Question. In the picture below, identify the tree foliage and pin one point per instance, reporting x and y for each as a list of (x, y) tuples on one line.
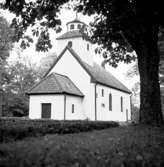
[(6, 34), (45, 64), (22, 75), (38, 14), (131, 24), (14, 105), (133, 71)]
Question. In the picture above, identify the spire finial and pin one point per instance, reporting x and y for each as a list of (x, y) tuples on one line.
[(76, 15)]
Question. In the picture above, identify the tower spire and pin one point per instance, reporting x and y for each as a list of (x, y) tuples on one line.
[(76, 16)]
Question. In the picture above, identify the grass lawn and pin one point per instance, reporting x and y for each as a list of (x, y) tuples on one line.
[(131, 146)]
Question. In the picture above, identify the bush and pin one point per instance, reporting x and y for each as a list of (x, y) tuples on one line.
[(14, 105), (12, 129)]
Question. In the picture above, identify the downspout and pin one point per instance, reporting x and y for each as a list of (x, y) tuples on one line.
[(64, 107), (95, 102)]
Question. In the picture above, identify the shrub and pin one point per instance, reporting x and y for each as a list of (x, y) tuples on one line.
[(12, 129)]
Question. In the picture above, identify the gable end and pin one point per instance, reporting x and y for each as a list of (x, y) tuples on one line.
[(75, 56)]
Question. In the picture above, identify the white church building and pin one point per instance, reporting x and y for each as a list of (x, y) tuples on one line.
[(76, 88)]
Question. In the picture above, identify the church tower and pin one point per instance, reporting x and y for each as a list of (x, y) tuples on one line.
[(77, 40)]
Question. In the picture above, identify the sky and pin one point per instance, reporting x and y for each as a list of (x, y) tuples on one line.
[(66, 16)]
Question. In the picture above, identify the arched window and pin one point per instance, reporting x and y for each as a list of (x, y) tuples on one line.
[(73, 108), (72, 26), (79, 26), (121, 104), (88, 46), (110, 102), (102, 92), (70, 44)]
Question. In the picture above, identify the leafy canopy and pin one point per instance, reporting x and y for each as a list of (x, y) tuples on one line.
[(43, 14), (6, 35), (125, 22), (128, 23)]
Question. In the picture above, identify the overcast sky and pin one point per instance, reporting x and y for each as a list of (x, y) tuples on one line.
[(66, 16)]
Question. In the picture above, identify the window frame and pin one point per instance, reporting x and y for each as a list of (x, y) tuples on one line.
[(72, 27), (70, 44), (73, 108), (102, 92), (110, 102), (79, 26), (121, 104)]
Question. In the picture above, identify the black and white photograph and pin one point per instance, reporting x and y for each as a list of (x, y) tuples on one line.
[(81, 83)]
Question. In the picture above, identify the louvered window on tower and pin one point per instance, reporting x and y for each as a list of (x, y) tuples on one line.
[(72, 26), (79, 26), (70, 44)]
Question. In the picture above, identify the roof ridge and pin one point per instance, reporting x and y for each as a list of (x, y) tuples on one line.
[(92, 72), (62, 89), (44, 78), (71, 34), (75, 20), (55, 61), (60, 74), (80, 60), (75, 85), (58, 83), (110, 75)]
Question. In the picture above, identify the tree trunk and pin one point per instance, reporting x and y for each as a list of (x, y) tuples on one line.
[(148, 64)]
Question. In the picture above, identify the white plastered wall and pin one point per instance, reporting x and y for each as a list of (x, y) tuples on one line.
[(78, 113), (69, 66), (57, 106), (103, 112), (80, 46)]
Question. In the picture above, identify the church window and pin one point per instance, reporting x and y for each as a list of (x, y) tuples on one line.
[(79, 26), (121, 104), (87, 46), (102, 92), (70, 44), (73, 108), (72, 26), (110, 102)]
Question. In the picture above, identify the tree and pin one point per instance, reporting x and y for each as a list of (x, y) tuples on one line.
[(6, 34), (39, 15), (23, 75), (131, 24), (45, 64), (14, 105), (133, 71)]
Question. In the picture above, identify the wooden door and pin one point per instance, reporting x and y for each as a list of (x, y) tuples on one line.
[(46, 110)]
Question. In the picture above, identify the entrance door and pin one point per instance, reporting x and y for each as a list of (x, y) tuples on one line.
[(46, 110)]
